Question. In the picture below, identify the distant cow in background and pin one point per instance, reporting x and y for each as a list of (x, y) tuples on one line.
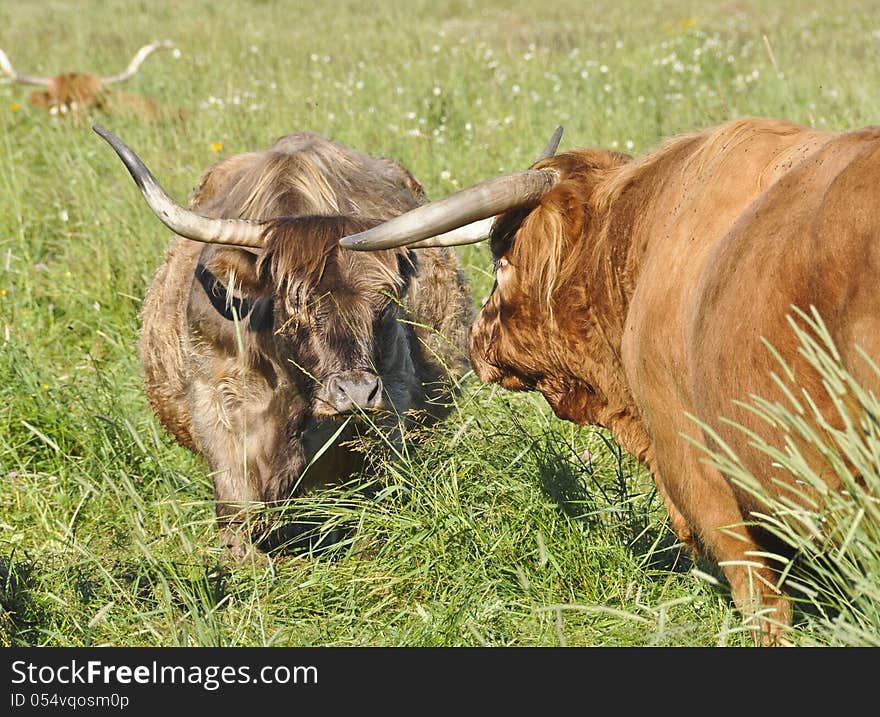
[(78, 91), (637, 294), (261, 336)]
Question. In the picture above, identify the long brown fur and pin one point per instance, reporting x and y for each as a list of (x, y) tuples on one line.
[(639, 293), (253, 400)]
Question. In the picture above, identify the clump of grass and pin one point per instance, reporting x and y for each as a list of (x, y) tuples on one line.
[(831, 538)]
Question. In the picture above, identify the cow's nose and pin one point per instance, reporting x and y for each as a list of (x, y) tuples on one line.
[(352, 390)]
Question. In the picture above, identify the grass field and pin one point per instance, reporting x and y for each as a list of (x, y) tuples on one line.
[(509, 527)]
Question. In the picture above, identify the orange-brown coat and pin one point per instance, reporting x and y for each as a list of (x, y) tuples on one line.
[(638, 294)]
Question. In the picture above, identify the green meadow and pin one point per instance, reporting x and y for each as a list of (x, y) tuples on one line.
[(507, 526)]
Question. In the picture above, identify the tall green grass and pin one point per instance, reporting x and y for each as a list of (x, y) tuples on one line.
[(507, 526), (831, 561)]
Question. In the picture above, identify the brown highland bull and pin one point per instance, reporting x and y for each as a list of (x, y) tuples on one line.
[(74, 91), (261, 335), (637, 294)]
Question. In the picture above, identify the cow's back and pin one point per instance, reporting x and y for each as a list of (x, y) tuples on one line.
[(811, 240), (706, 184), (705, 190)]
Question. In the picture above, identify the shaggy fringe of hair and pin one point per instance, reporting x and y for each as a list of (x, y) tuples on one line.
[(300, 247), (261, 185), (562, 218)]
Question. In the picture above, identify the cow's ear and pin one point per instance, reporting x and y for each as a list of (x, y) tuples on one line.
[(564, 210), (215, 182), (553, 234), (236, 268), (406, 177)]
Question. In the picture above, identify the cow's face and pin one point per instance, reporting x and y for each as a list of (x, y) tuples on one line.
[(526, 335), (329, 315), (337, 331), (68, 93), (509, 339), (324, 316)]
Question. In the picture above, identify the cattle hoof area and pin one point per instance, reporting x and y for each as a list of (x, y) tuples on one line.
[(304, 538)]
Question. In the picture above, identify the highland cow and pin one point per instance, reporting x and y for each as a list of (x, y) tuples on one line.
[(73, 91), (262, 336), (641, 294)]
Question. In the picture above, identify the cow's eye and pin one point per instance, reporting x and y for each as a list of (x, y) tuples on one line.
[(386, 314)]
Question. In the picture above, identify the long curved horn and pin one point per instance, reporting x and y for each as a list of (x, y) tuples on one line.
[(552, 145), (138, 60), (512, 191), (465, 217), (481, 230), (468, 234), (186, 223), (8, 69)]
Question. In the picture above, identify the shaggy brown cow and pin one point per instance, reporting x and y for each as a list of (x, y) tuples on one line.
[(262, 336), (77, 90), (637, 293)]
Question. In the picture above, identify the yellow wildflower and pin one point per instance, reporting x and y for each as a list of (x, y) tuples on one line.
[(216, 147), (15, 107)]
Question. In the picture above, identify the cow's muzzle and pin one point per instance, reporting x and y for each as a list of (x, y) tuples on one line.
[(349, 392)]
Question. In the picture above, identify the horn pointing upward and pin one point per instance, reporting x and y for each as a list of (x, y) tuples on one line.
[(186, 223), (464, 217), (512, 191), (552, 145)]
